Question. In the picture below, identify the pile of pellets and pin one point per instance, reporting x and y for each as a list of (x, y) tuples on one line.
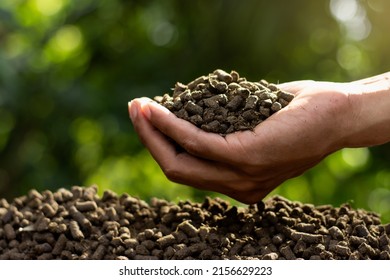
[(224, 102), (78, 224)]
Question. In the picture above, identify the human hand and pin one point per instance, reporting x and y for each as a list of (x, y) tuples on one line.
[(247, 165)]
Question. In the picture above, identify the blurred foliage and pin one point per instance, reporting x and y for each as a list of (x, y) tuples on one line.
[(68, 69)]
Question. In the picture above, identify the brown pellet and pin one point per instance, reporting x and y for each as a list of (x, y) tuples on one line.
[(141, 250), (270, 256), (366, 249), (387, 228), (99, 253), (213, 126), (361, 231), (131, 243), (75, 230), (9, 232), (42, 224), (307, 237), (193, 109), (8, 216), (341, 250), (336, 233), (285, 95), (287, 253), (43, 248), (223, 76), (188, 229), (299, 247), (60, 245), (149, 244), (384, 240), (283, 102), (48, 210), (182, 253), (305, 227), (112, 214), (356, 241), (34, 194), (384, 255), (80, 218), (278, 239), (85, 206), (197, 247)]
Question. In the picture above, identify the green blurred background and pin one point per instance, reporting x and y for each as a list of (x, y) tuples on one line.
[(68, 69)]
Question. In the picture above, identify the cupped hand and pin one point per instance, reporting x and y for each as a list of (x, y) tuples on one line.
[(247, 165)]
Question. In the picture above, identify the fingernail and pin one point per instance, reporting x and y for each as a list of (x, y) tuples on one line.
[(133, 110), (146, 110), (160, 107)]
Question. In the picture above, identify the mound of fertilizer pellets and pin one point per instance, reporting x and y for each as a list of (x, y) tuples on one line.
[(78, 224), (224, 102)]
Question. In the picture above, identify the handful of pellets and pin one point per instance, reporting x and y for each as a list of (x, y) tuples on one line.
[(224, 102)]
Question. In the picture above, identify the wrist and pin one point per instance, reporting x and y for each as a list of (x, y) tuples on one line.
[(369, 101)]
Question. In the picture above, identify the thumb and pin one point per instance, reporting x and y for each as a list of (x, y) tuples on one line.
[(295, 86)]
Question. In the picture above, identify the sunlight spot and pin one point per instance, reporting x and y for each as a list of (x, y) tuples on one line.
[(344, 10), (349, 57), (68, 38), (163, 33), (357, 157), (49, 7)]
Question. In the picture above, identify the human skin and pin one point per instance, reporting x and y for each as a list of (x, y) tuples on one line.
[(322, 118)]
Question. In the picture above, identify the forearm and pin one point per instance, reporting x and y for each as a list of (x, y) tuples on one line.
[(370, 123), (385, 77)]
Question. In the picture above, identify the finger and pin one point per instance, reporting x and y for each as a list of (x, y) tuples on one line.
[(295, 86), (182, 167), (194, 140), (146, 131)]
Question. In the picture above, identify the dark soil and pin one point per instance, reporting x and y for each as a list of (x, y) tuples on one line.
[(77, 224), (224, 102)]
